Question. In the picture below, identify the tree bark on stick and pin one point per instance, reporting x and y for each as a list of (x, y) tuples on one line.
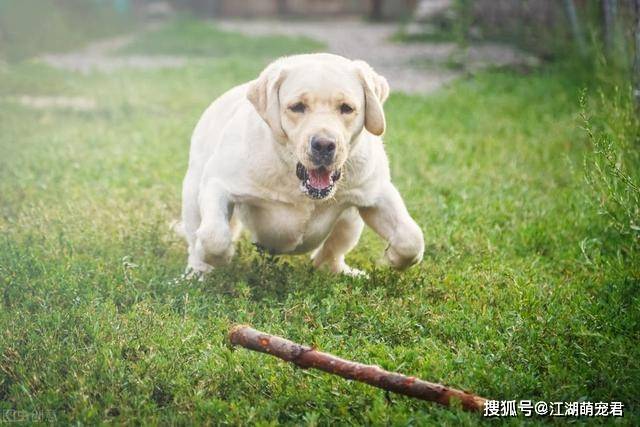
[(307, 357)]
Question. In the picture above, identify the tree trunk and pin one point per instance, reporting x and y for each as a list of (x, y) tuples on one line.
[(375, 13), (283, 8), (578, 36), (636, 62), (307, 357), (609, 12), (205, 8)]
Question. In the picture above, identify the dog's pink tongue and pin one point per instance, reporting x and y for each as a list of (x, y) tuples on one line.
[(320, 178)]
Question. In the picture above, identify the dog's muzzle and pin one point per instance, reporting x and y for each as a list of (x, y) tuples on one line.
[(317, 183), (322, 150)]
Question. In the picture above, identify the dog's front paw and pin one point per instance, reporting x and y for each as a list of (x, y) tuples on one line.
[(354, 272), (196, 270), (403, 257), (213, 246), (339, 267)]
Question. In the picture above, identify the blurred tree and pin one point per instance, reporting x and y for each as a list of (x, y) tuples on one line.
[(609, 12), (636, 62), (208, 8), (462, 24), (570, 9), (380, 10), (283, 7), (375, 13)]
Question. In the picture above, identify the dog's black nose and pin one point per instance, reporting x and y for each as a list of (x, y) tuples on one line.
[(322, 150)]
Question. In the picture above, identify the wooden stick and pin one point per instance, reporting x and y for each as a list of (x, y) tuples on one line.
[(307, 357)]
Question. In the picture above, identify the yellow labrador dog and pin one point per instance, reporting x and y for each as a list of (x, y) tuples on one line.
[(296, 158)]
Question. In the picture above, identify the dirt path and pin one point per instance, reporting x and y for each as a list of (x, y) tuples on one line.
[(409, 67), (99, 56)]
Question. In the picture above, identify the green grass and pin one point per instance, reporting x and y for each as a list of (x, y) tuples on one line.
[(201, 38), (524, 292), (30, 27)]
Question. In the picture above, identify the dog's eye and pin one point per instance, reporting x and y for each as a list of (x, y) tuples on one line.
[(298, 107), (346, 109)]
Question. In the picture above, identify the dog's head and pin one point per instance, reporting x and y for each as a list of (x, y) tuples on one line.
[(316, 106)]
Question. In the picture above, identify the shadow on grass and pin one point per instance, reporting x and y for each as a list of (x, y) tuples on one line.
[(268, 277)]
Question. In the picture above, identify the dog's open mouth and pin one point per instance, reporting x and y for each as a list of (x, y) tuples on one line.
[(317, 183)]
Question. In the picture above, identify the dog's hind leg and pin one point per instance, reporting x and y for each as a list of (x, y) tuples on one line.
[(343, 237), (235, 226)]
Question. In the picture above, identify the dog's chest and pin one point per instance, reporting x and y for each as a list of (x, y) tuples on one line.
[(283, 228)]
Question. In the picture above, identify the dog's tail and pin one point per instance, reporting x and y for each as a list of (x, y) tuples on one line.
[(177, 227)]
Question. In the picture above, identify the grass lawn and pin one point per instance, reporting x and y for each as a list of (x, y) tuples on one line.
[(524, 292), (30, 27)]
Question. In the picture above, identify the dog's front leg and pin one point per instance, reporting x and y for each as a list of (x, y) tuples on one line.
[(214, 238), (388, 216)]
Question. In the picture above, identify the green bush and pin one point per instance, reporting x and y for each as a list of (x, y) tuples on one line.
[(612, 165)]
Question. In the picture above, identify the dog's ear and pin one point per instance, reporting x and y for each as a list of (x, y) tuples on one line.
[(263, 94), (376, 91)]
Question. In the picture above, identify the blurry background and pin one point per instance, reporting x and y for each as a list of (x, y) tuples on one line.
[(541, 25)]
